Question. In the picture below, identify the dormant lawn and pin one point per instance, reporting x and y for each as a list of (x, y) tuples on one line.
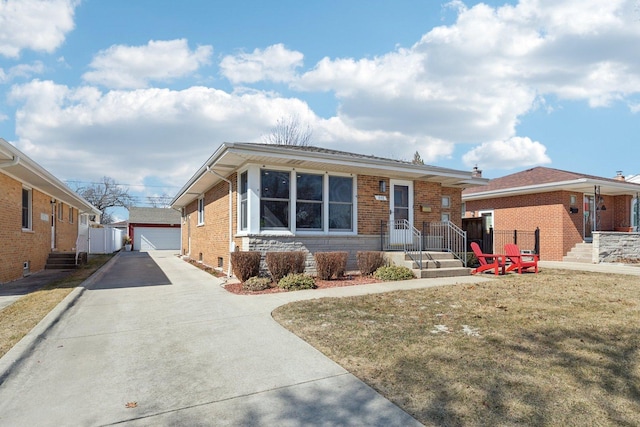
[(558, 348)]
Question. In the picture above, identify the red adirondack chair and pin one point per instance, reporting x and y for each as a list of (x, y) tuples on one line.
[(487, 261), (520, 261)]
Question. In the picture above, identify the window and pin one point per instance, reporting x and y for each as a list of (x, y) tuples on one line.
[(60, 211), (70, 215), (446, 201), (201, 211), (445, 217), (26, 209), (244, 213), (83, 219), (340, 203), (309, 202), (274, 199)]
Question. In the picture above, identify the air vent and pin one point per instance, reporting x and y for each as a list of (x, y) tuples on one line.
[(26, 268)]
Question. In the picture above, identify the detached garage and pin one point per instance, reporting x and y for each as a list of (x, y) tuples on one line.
[(154, 228)]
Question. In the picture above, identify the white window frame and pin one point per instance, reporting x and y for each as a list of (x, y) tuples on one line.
[(29, 208), (201, 210), (70, 215), (446, 202), (253, 203), (60, 211), (445, 217)]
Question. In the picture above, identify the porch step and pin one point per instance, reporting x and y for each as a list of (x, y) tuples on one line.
[(435, 264), (61, 261), (581, 252)]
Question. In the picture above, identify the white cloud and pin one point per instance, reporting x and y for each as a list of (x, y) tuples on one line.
[(133, 67), (512, 153), (39, 25), (22, 70), (275, 63), (145, 132)]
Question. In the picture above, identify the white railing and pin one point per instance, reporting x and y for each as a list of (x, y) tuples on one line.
[(445, 237), (403, 236)]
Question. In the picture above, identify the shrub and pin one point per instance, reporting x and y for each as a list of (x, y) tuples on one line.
[(393, 272), (245, 264), (330, 264), (369, 261), (281, 264), (256, 284), (295, 282)]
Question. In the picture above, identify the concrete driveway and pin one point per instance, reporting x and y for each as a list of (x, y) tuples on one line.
[(156, 341)]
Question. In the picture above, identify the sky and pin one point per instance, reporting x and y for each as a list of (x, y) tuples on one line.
[(144, 91)]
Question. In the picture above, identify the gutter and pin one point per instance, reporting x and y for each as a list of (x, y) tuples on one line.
[(9, 163), (231, 244)]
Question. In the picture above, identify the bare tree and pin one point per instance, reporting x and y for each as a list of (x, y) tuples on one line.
[(106, 194), (417, 160), (159, 201), (289, 131)]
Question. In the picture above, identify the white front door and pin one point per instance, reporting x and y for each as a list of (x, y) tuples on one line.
[(401, 208)]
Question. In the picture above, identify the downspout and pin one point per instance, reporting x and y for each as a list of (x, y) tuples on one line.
[(12, 162), (230, 216)]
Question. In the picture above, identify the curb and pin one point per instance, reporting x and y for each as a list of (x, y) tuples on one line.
[(19, 352)]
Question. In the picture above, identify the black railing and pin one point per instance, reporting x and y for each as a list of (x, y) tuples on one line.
[(494, 240)]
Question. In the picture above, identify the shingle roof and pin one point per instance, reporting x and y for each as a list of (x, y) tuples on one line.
[(153, 216), (532, 177)]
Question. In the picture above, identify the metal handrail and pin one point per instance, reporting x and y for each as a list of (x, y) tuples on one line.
[(401, 235)]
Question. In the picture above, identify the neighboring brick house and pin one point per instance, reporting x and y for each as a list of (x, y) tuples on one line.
[(567, 207), (39, 214), (275, 197), (154, 228)]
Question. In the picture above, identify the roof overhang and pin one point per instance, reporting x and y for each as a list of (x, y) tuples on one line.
[(230, 157), (581, 185), (19, 166)]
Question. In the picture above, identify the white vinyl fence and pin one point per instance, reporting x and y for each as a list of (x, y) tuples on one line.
[(105, 240)]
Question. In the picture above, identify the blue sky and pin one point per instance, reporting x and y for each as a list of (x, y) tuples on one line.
[(144, 91)]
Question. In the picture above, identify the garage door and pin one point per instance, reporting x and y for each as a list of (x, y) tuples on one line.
[(150, 238)]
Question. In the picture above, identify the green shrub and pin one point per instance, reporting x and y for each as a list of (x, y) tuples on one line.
[(281, 264), (245, 264), (295, 282), (369, 261), (393, 272), (331, 264), (256, 284)]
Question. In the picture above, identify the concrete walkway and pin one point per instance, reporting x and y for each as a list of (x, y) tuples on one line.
[(163, 337)]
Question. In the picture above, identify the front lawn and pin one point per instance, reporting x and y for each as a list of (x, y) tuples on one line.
[(557, 348)]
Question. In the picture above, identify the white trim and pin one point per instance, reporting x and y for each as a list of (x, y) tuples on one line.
[(201, 218)]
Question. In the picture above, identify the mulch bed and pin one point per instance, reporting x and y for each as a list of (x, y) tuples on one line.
[(350, 280)]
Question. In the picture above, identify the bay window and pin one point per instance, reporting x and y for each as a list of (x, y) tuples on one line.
[(294, 202)]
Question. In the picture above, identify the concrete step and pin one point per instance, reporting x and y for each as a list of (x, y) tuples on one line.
[(581, 252), (61, 261)]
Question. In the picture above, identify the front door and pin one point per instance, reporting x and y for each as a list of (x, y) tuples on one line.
[(401, 204), (53, 225), (589, 217)]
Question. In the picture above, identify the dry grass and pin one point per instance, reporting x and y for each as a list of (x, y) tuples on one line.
[(24, 314), (557, 348)]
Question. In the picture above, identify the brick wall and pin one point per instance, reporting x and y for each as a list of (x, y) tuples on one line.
[(19, 246), (210, 241), (66, 231), (370, 210)]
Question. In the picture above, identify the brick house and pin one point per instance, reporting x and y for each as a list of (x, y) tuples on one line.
[(276, 198), (39, 214), (567, 207)]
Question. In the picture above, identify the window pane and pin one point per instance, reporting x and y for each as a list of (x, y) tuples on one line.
[(274, 214), (243, 185), (274, 184), (400, 214), (340, 216), (309, 216), (25, 209), (340, 189), (243, 215), (309, 187)]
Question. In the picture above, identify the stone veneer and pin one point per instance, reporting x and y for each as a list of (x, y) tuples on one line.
[(311, 245), (615, 246)]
